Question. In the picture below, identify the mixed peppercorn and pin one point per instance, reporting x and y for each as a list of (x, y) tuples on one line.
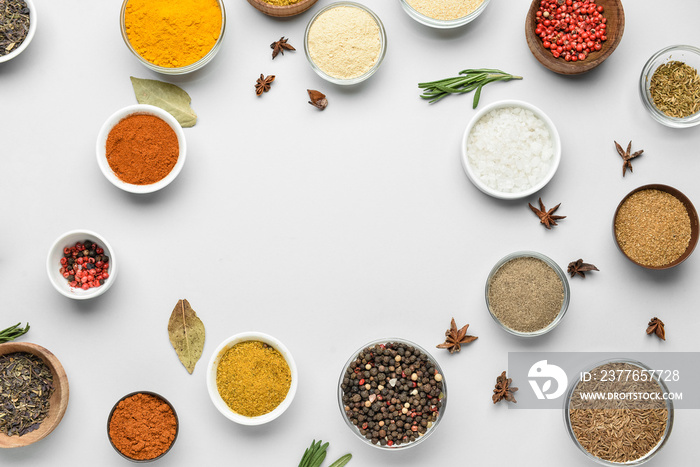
[(85, 265), (392, 393), (571, 29)]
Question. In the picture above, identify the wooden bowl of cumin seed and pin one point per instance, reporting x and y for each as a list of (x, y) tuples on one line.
[(282, 11), (58, 401), (656, 226)]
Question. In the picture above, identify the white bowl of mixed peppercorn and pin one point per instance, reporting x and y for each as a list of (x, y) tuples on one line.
[(392, 394), (81, 265), (17, 25)]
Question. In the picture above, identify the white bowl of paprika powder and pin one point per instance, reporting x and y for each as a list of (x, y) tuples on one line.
[(141, 148)]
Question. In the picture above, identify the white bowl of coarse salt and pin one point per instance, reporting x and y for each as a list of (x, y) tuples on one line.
[(510, 149)]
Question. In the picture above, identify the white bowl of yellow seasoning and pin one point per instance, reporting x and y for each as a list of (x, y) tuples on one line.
[(252, 378), (444, 14), (345, 43)]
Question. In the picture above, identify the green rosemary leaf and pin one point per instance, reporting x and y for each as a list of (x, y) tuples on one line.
[(13, 332), (469, 80), (342, 461)]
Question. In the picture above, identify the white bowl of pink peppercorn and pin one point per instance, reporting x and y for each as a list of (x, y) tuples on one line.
[(81, 265)]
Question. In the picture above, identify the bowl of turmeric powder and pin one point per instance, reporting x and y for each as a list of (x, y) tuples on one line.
[(173, 37)]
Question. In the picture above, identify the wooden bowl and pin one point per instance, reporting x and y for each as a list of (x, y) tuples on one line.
[(615, 15), (58, 401), (282, 11), (692, 213)]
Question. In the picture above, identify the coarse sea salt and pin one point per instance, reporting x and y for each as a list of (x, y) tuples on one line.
[(510, 149)]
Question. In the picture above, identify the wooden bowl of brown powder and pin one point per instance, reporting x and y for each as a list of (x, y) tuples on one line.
[(656, 227), (282, 8), (527, 294)]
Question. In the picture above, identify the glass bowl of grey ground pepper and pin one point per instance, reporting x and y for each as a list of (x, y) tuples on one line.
[(392, 394), (345, 43), (527, 293), (670, 86), (656, 226), (444, 14), (627, 430)]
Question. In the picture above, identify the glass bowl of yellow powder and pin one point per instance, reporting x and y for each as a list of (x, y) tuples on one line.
[(173, 37), (345, 43), (444, 14), (252, 378)]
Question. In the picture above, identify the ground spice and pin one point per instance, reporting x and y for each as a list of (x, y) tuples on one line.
[(172, 33), (142, 149), (675, 89), (622, 430), (344, 42), (281, 2), (142, 426), (253, 378), (525, 294), (445, 9), (653, 228)]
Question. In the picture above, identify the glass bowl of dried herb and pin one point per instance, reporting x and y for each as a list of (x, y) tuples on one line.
[(81, 265), (527, 293), (402, 377), (620, 430), (252, 378), (32, 376), (670, 86), (173, 37), (17, 27), (345, 43), (444, 14)]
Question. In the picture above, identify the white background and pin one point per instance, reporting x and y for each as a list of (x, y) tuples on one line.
[(330, 229)]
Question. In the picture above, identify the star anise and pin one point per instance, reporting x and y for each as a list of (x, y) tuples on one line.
[(546, 217), (263, 84), (656, 326), (580, 268), (318, 99), (280, 46), (455, 338), (627, 157), (503, 389)]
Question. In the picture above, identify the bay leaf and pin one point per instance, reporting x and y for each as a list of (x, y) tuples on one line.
[(186, 333), (168, 97)]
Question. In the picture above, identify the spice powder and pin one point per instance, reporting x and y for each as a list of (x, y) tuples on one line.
[(253, 378), (653, 228), (525, 294), (344, 42), (445, 9)]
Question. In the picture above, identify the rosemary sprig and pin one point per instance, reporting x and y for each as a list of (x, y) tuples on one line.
[(316, 453), (12, 333), (469, 80)]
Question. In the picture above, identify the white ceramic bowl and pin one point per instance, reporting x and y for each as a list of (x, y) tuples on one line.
[(442, 23), (116, 117), (30, 33), (53, 264), (214, 392), (556, 158)]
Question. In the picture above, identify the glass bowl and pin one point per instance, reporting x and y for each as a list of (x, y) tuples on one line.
[(644, 369), (348, 81), (685, 53), (555, 268), (442, 399), (28, 38), (175, 70), (443, 23)]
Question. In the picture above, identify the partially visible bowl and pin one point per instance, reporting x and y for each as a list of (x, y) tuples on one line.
[(684, 53), (440, 390), (615, 27), (140, 424), (353, 79), (119, 115), (426, 19), (28, 38), (53, 264), (57, 402), (471, 171), (181, 70), (219, 402), (282, 11)]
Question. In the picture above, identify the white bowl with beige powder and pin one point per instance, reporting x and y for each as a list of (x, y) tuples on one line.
[(345, 43), (444, 14)]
